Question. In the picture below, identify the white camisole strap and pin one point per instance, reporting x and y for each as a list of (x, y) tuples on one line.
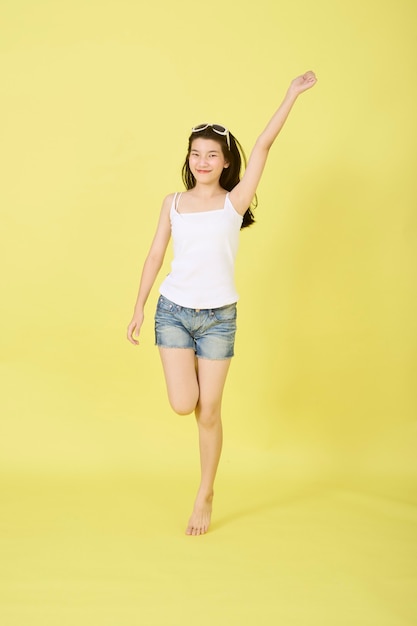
[(177, 199)]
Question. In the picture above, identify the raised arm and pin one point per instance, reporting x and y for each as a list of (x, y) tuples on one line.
[(242, 195), (150, 270)]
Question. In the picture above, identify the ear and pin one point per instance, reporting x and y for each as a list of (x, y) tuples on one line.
[(226, 165)]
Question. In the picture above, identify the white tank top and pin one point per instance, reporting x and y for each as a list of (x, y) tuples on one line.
[(205, 247)]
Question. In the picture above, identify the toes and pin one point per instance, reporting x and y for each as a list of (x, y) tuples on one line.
[(198, 525), (195, 531)]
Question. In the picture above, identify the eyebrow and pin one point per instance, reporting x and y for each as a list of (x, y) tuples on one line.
[(208, 151)]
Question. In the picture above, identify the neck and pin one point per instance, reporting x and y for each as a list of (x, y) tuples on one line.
[(207, 191)]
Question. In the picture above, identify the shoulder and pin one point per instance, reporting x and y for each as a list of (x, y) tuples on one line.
[(168, 203), (169, 199)]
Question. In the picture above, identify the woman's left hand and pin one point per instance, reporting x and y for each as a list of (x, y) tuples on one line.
[(302, 83)]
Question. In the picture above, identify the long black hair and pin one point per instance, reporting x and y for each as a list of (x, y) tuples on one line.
[(230, 175)]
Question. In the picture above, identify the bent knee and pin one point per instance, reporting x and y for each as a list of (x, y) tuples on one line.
[(183, 406)]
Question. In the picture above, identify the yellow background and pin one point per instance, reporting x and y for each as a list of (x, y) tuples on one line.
[(315, 519)]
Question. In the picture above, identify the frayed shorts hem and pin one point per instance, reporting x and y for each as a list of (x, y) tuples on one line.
[(198, 356)]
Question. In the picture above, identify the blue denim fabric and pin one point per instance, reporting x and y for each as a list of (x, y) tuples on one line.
[(209, 332)]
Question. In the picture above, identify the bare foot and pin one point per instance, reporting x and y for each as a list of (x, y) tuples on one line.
[(199, 521)]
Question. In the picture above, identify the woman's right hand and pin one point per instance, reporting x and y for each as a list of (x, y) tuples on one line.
[(134, 327)]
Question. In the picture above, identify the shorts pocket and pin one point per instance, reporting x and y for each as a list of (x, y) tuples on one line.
[(226, 313)]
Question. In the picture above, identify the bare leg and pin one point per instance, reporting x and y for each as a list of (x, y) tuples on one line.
[(211, 378), (198, 388), (181, 378)]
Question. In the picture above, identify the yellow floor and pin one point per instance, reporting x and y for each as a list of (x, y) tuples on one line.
[(109, 550)]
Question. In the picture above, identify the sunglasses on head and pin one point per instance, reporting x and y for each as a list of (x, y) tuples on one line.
[(218, 128)]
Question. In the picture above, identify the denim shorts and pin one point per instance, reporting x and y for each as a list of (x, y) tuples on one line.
[(209, 332)]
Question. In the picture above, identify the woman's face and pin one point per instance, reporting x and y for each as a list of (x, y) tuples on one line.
[(206, 160)]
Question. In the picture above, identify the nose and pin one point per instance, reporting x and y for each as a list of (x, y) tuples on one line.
[(202, 160)]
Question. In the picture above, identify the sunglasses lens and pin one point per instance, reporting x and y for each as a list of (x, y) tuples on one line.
[(199, 127), (219, 129)]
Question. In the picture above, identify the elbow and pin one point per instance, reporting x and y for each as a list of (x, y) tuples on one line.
[(263, 144), (155, 260)]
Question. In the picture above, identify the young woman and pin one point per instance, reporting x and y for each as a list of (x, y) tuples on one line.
[(195, 320)]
